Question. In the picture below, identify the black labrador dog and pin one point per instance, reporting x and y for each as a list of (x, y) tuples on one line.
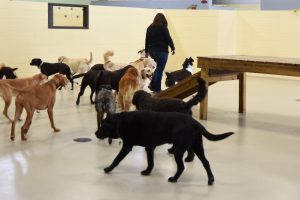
[(97, 77), (179, 75), (144, 101), (52, 68), (150, 129), (8, 72)]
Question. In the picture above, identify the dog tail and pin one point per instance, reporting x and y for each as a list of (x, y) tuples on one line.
[(213, 137), (91, 58), (202, 91), (106, 56), (78, 76)]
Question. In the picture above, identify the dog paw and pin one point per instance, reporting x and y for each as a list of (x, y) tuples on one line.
[(107, 169), (189, 159), (109, 141), (171, 150), (12, 138), (56, 129), (172, 180), (211, 180), (146, 172)]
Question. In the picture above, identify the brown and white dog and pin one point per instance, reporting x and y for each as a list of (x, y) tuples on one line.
[(128, 85), (38, 97), (77, 65), (7, 91)]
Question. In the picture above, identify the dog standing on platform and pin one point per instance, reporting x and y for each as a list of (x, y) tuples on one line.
[(39, 97), (179, 75)]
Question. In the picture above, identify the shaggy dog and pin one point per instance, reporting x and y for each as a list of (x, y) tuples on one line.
[(96, 78), (77, 65), (179, 75), (144, 101), (38, 97), (8, 86), (128, 85), (105, 104), (52, 68), (151, 129), (7, 72)]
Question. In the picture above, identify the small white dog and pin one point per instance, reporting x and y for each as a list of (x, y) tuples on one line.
[(77, 65)]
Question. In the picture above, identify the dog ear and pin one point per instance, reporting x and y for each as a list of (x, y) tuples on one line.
[(14, 69), (167, 74)]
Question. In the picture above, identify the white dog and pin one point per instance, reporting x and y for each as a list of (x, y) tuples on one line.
[(77, 65)]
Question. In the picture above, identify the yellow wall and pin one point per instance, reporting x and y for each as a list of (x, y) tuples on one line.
[(24, 34)]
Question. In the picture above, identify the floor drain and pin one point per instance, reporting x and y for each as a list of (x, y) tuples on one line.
[(297, 99), (82, 139)]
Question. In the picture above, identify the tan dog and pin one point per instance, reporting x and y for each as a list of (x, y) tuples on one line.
[(7, 92), (39, 97), (128, 85), (109, 65), (77, 65)]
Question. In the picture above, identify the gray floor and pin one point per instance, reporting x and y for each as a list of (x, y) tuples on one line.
[(261, 161)]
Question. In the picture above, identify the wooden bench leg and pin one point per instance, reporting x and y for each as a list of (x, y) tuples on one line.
[(204, 102), (242, 92)]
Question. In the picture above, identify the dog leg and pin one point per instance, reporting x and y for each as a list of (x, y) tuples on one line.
[(7, 104), (91, 97), (150, 160), (50, 115), (25, 127), (18, 112), (199, 151), (84, 84), (190, 156), (122, 154), (180, 166)]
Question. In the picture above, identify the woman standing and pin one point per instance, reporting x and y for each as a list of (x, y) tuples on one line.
[(158, 40)]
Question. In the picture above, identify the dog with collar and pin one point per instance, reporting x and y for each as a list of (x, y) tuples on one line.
[(179, 75), (52, 68), (7, 72), (151, 129)]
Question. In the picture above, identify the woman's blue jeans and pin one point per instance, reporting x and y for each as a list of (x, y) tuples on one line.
[(161, 59)]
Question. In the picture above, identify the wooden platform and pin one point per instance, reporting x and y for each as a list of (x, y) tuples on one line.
[(223, 68)]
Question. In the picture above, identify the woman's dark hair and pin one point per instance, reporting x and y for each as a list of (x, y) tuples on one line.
[(159, 20)]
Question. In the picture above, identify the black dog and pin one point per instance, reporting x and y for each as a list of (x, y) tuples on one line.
[(179, 75), (144, 101), (150, 129), (8, 72), (95, 78), (52, 68)]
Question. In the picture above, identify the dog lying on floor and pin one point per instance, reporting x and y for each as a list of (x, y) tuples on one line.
[(52, 68), (7, 72), (179, 75), (38, 97), (105, 104), (77, 65), (7, 88), (144, 101), (128, 85), (151, 129)]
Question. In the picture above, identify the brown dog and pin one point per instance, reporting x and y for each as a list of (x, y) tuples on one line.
[(7, 91), (37, 97), (128, 85)]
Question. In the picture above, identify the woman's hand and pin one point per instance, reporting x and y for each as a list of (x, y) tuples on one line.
[(173, 51)]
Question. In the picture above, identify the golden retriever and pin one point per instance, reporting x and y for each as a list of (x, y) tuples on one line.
[(128, 85)]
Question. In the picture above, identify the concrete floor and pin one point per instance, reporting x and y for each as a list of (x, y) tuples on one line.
[(261, 161)]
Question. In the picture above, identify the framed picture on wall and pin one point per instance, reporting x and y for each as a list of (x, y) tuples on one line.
[(68, 16)]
